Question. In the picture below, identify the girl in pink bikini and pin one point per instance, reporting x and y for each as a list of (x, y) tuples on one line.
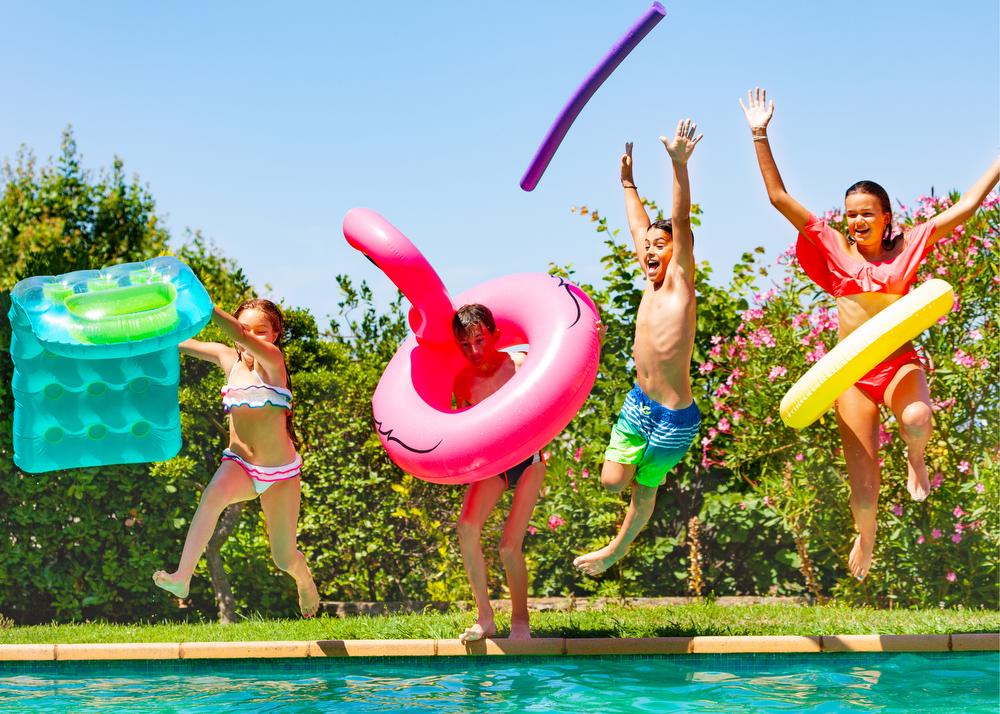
[(261, 459), (867, 270)]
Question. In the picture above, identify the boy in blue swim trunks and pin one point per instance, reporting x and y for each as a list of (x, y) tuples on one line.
[(487, 370), (659, 419)]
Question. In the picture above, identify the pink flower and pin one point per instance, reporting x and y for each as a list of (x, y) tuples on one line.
[(706, 367), (570, 472), (743, 505), (951, 577), (724, 424), (585, 473), (767, 500), (555, 522), (957, 538), (897, 509), (920, 540), (578, 453), (984, 363), (884, 436), (964, 467), (975, 335), (936, 533), (799, 456), (937, 480), (959, 527), (768, 420), (532, 530), (572, 485), (958, 512), (980, 488), (817, 354), (776, 372)]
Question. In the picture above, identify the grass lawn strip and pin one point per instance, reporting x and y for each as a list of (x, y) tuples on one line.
[(704, 619)]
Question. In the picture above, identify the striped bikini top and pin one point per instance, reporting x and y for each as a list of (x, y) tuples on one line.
[(255, 395)]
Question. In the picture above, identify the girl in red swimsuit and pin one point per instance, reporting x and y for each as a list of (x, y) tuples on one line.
[(867, 270)]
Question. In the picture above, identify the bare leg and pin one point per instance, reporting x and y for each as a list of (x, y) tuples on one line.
[(511, 548), (280, 503), (229, 485), (639, 510), (615, 477), (858, 418), (480, 499), (910, 400)]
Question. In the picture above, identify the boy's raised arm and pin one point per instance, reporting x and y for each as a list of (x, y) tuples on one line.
[(638, 221), (680, 149)]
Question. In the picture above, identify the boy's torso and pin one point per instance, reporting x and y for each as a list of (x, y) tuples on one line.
[(471, 387), (664, 341)]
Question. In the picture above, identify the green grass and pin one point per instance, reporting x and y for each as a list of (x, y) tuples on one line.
[(611, 621)]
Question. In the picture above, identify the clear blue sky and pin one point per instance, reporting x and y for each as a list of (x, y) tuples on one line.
[(262, 123)]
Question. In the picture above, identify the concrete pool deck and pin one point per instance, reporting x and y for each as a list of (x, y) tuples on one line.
[(780, 644)]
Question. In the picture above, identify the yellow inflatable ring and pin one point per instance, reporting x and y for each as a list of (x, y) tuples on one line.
[(864, 349)]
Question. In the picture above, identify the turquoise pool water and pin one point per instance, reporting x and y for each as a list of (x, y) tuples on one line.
[(939, 682)]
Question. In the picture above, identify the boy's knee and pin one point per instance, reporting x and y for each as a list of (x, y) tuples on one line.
[(467, 530), (615, 481), (510, 552)]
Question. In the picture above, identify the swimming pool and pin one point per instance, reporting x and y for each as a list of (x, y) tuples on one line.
[(904, 682)]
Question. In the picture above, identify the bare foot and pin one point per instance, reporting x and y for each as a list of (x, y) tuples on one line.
[(860, 559), (172, 583), (519, 630), (308, 598), (483, 628), (595, 563), (917, 482)]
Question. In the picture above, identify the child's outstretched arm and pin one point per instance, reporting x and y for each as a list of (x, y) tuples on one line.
[(758, 114), (946, 221), (265, 353), (209, 351), (680, 149), (638, 221)]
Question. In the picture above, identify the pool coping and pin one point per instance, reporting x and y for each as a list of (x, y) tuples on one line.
[(779, 644)]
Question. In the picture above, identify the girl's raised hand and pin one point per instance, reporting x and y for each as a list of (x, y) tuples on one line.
[(682, 145), (758, 111)]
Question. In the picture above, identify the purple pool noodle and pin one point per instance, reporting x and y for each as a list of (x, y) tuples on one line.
[(591, 84)]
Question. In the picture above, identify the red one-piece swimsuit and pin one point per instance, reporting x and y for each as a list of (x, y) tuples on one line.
[(839, 273)]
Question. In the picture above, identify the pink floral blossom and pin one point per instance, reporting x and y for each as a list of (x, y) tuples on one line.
[(799, 456), (555, 522), (958, 512), (578, 454), (920, 539), (706, 367), (937, 480), (963, 359), (884, 436), (532, 530), (767, 500), (975, 335), (743, 505), (897, 509), (817, 354), (776, 372), (585, 473), (980, 488), (964, 467), (957, 538), (570, 472), (951, 577), (724, 424), (935, 533)]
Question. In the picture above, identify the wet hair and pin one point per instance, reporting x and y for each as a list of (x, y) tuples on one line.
[(468, 316), (667, 226), (873, 189), (274, 315)]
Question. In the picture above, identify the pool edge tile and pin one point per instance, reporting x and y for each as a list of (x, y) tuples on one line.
[(628, 646), (755, 643), (243, 650), (975, 642), (548, 646), (118, 651), (24, 653), (372, 648)]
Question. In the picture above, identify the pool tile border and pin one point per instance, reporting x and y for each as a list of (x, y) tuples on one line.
[(780, 644)]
